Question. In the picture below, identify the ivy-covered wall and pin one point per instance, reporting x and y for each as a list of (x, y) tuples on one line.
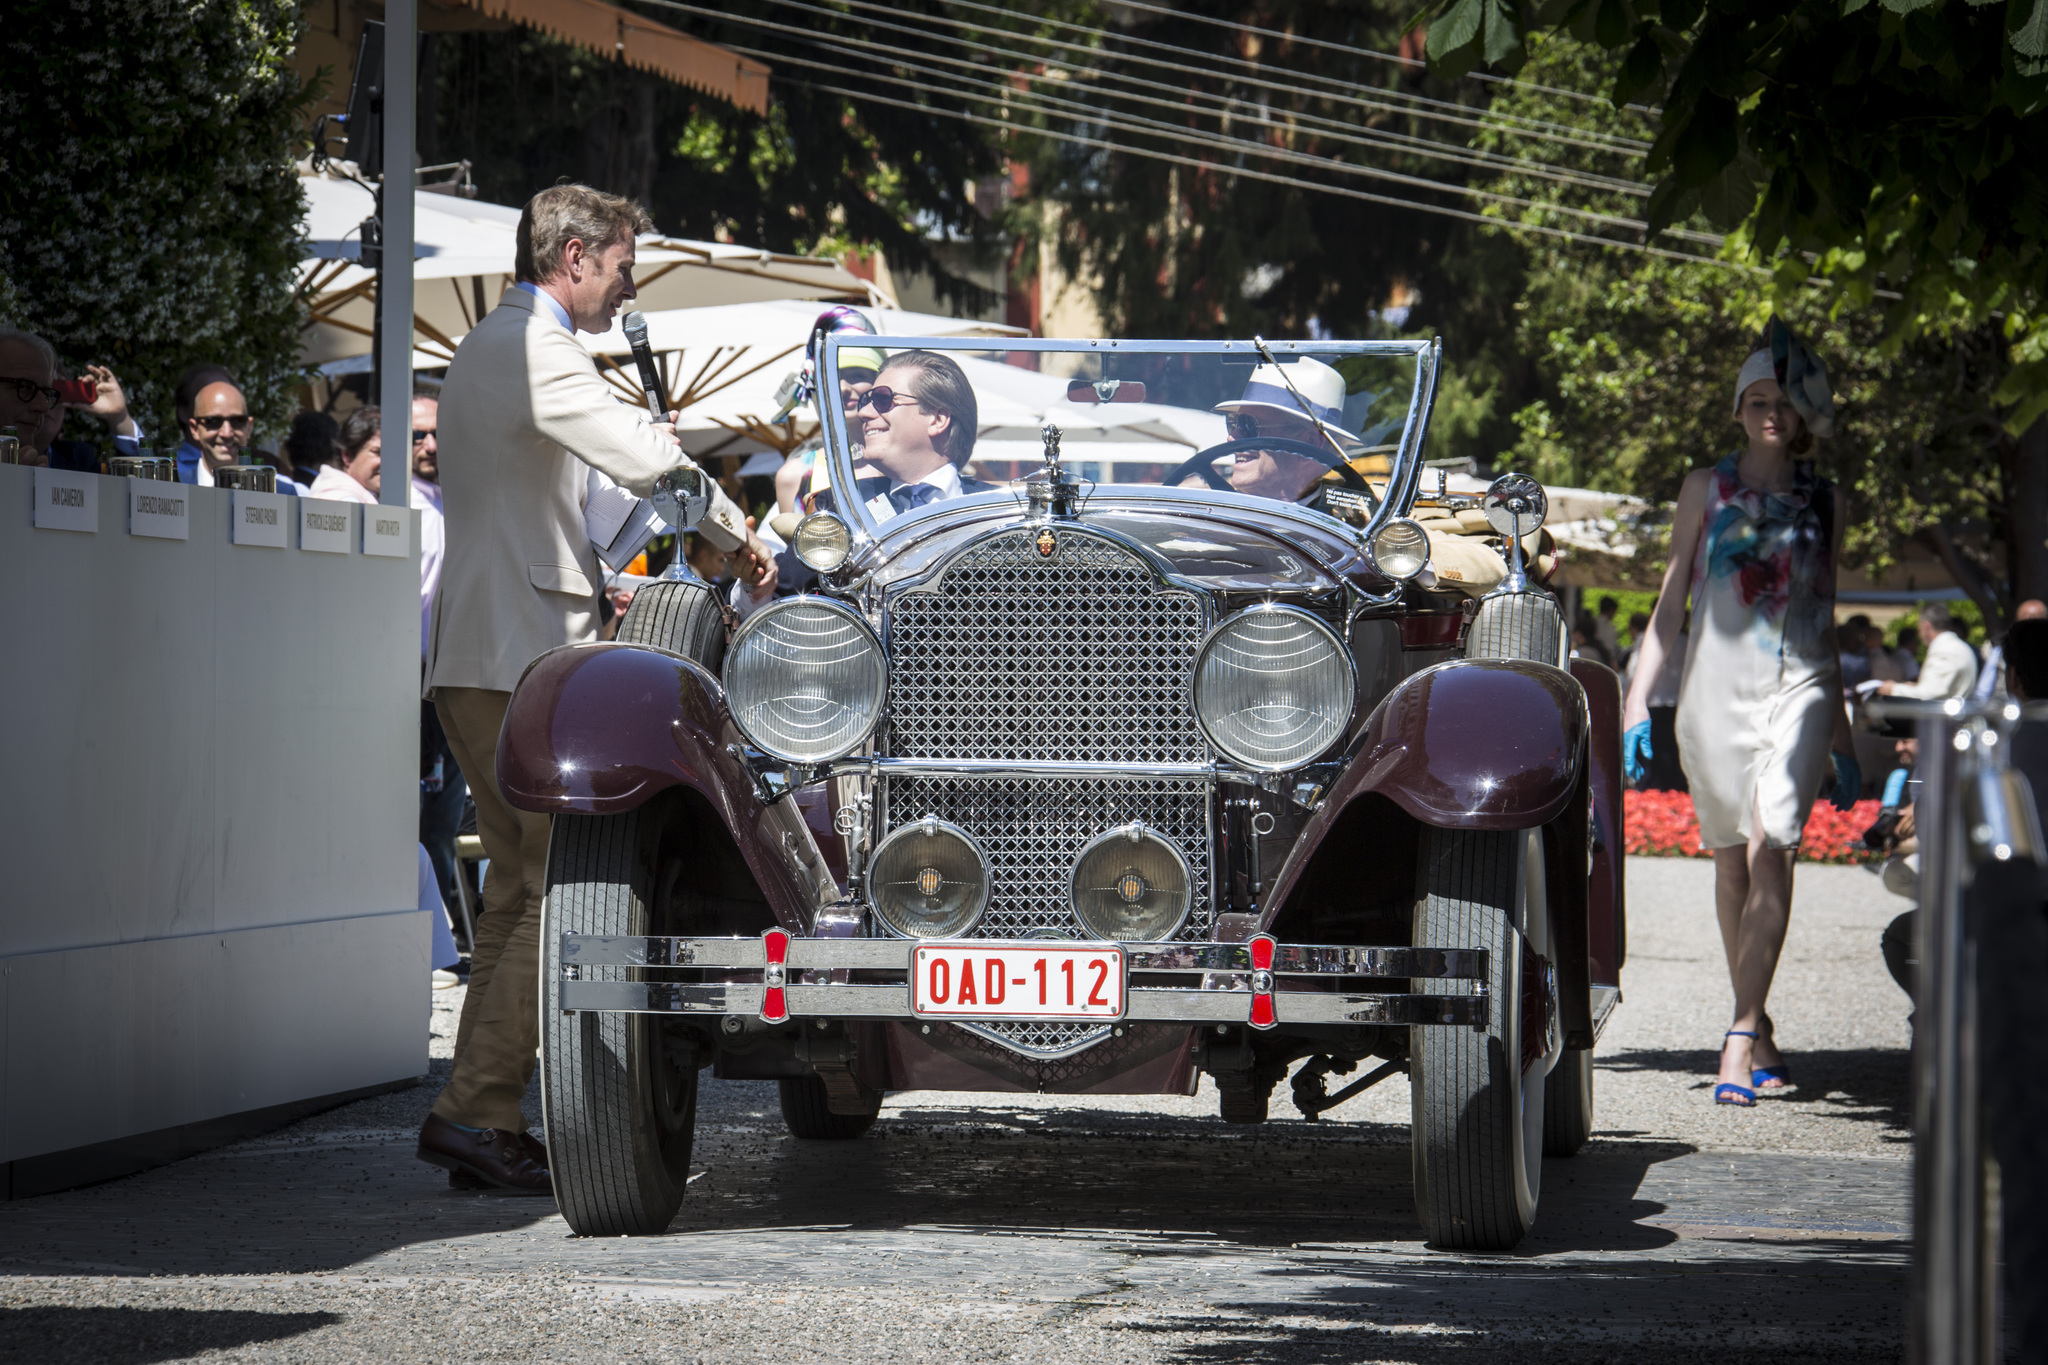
[(149, 212)]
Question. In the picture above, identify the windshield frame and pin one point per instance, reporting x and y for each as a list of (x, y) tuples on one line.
[(1402, 481)]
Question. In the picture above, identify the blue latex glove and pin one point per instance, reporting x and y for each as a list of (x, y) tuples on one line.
[(1635, 750), (1848, 780)]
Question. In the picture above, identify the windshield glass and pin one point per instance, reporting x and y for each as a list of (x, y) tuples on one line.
[(1330, 427)]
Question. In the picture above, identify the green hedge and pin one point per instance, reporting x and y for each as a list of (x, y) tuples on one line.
[(149, 211)]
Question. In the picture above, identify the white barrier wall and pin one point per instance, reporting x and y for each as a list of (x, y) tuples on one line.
[(208, 814)]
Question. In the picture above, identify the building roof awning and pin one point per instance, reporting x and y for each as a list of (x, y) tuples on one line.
[(641, 42)]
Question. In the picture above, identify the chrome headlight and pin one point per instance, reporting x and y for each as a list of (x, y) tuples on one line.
[(1273, 688), (1131, 886), (805, 679), (928, 880), (822, 541), (1400, 548)]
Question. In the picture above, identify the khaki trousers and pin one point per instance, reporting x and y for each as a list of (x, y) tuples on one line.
[(496, 1041)]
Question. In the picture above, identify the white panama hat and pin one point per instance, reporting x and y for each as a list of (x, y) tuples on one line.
[(1320, 386)]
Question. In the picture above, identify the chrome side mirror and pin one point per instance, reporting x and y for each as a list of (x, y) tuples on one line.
[(1515, 506), (682, 497)]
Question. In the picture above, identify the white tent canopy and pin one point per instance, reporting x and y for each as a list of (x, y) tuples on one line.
[(723, 367), (463, 260)]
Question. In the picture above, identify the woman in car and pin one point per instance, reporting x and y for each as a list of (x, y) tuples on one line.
[(1760, 717)]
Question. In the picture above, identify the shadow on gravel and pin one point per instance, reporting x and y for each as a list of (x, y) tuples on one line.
[(1867, 1085), (140, 1336), (1273, 1187), (1425, 1343)]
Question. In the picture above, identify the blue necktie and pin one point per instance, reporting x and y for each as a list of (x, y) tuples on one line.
[(906, 497)]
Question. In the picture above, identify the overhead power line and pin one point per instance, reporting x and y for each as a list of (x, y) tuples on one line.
[(1437, 111), (1396, 58), (1333, 129), (1114, 36), (1245, 147), (1270, 177)]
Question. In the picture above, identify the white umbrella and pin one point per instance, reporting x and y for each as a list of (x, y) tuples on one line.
[(464, 251)]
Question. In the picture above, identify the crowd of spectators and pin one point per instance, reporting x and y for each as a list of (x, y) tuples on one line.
[(319, 457)]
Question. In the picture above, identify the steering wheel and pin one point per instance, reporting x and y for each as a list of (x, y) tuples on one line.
[(1203, 463)]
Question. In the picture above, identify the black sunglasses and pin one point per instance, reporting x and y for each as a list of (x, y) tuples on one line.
[(418, 435), (27, 389), (240, 422), (882, 399), (1242, 426)]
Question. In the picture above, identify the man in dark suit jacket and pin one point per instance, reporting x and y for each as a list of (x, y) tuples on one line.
[(918, 425)]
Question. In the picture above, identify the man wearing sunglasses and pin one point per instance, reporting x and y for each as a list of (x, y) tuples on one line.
[(214, 419), (918, 425), (1270, 408)]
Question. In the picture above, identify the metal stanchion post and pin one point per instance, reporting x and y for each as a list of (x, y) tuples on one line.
[(1980, 864), (1948, 1165)]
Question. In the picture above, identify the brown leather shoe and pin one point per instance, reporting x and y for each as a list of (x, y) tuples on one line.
[(492, 1159)]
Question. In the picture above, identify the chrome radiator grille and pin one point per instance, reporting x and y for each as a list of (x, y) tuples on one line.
[(1033, 828), (1077, 656)]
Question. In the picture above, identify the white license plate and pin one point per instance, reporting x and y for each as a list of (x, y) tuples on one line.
[(1033, 980)]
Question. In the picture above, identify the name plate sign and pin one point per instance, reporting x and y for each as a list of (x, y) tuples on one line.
[(67, 500), (261, 519), (159, 509), (328, 527), (387, 530)]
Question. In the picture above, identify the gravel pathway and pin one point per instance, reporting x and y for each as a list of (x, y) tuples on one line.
[(1027, 1228)]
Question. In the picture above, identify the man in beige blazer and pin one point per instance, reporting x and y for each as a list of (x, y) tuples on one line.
[(524, 418)]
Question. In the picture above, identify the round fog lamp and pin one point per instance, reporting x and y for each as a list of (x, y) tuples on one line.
[(805, 679), (928, 880), (1273, 688), (1132, 886), (1400, 548), (822, 541)]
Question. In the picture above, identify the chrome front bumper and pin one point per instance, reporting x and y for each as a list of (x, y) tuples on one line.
[(1238, 983)]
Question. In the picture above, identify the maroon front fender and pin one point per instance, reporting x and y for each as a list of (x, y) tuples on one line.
[(601, 729), (1470, 744), (1480, 744)]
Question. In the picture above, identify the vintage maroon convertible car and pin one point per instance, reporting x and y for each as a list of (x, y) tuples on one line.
[(1090, 769)]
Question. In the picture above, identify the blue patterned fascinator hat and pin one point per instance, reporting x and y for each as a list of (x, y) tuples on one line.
[(1799, 372)]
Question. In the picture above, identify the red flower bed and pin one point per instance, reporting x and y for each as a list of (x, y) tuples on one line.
[(1662, 825)]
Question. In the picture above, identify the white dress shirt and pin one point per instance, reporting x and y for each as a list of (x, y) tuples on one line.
[(946, 478), (426, 497)]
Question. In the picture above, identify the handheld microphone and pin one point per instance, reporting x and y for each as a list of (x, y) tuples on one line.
[(635, 325)]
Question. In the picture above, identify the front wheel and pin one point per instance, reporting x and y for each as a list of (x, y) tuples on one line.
[(619, 1090), (1478, 1096)]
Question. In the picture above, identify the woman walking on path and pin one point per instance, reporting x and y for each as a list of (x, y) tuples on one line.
[(1760, 714)]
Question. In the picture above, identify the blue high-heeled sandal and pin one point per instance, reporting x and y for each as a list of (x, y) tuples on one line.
[(1727, 1092), (1780, 1073)]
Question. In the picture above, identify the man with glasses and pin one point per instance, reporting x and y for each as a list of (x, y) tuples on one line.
[(918, 424), (214, 419), (31, 403), (28, 390), (1270, 408)]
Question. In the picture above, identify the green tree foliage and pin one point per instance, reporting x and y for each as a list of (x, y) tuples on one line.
[(820, 172), (149, 213), (1893, 145), (1635, 358), (1201, 250)]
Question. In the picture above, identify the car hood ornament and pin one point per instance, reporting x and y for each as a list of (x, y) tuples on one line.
[(1050, 492)]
